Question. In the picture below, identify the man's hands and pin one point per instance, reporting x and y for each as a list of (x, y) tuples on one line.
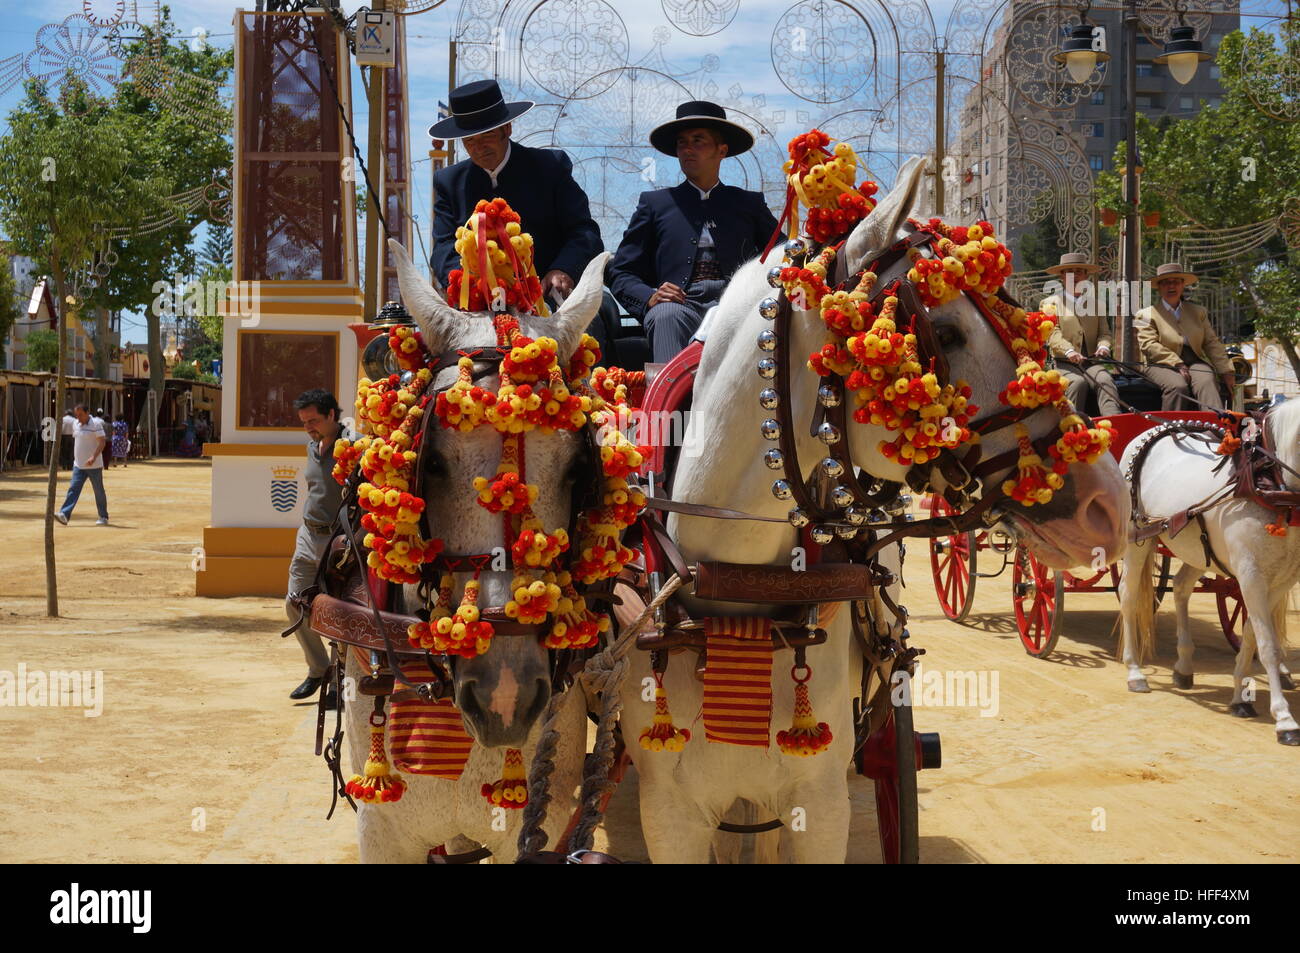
[(1185, 371), (558, 282), (1230, 380), (667, 292), (1075, 356), (1103, 353)]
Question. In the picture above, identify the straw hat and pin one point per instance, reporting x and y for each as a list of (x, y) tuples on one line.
[(1071, 261), (1173, 269)]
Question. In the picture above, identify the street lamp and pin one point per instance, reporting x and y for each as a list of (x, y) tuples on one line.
[(1083, 49), (1183, 52)]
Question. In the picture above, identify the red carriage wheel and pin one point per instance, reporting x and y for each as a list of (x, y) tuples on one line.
[(952, 561), (1038, 597), (1232, 609), (891, 756)]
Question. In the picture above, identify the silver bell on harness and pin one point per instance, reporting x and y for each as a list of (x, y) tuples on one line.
[(378, 359)]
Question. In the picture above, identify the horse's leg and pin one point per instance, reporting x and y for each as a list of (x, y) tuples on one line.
[(1184, 582), (821, 804), (1240, 706), (1136, 595), (1254, 590), (1279, 626), (383, 841), (676, 830)]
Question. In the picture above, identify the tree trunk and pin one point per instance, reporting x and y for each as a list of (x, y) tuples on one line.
[(60, 395), (101, 344), (157, 373)]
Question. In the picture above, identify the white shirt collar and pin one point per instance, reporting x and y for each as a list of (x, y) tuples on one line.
[(704, 194), (493, 173)]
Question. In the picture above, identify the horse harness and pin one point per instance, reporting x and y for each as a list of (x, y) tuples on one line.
[(1256, 476)]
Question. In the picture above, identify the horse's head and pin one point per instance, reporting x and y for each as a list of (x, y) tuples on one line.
[(502, 691), (1089, 515)]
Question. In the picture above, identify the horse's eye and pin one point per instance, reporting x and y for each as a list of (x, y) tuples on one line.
[(949, 336), (434, 464)]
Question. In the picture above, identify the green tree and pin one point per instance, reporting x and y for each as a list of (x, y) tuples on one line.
[(1228, 166), (11, 306), (41, 348), (64, 171), (189, 148)]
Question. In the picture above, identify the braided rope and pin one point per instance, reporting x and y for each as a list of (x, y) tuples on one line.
[(604, 673)]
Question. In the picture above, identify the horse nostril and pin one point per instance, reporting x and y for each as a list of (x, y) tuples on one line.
[(540, 697)]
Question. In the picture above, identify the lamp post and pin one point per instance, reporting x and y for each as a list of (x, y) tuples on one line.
[(1080, 53)]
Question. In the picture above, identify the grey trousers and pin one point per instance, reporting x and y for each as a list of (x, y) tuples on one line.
[(1079, 380), (1174, 391), (670, 325), (302, 572)]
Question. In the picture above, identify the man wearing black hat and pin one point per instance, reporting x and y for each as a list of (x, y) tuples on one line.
[(538, 184), (683, 244)]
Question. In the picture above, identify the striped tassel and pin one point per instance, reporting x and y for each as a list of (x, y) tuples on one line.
[(512, 790), (807, 736), (662, 735), (377, 784)]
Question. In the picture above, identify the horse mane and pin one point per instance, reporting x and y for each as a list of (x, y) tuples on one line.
[(1283, 423)]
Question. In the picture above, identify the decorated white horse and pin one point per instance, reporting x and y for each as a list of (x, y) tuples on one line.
[(499, 660), (1175, 475), (687, 787)]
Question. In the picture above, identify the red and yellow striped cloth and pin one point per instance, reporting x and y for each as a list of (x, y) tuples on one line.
[(426, 738), (738, 681)]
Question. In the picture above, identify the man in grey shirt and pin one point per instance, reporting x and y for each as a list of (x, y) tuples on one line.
[(319, 412)]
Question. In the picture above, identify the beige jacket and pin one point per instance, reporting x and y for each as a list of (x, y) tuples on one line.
[(1075, 332), (1160, 336)]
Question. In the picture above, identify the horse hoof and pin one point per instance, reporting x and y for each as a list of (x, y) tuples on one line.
[(1242, 710), (1138, 685), (1287, 684), (1181, 680), (1290, 737)]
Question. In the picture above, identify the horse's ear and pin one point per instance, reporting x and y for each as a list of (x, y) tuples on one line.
[(580, 307), (436, 319), (880, 229)]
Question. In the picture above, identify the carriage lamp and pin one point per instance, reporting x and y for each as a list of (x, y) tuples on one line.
[(378, 359), (1083, 49), (1183, 52)]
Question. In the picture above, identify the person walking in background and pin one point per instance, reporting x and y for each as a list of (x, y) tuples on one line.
[(88, 444), (121, 445), (65, 440), (319, 412)]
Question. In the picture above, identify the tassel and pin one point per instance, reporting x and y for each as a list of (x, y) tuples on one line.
[(512, 790), (1278, 527), (463, 633), (377, 784), (662, 735), (807, 736)]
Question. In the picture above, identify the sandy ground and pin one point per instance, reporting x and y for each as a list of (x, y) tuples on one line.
[(198, 754)]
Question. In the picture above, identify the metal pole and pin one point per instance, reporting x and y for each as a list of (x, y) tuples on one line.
[(940, 131), (1132, 266), (451, 84), (377, 175)]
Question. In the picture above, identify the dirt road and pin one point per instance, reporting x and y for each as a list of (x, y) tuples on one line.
[(198, 755)]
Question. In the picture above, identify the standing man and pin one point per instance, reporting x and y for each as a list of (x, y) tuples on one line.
[(88, 442), (319, 412), (1183, 354), (1081, 332), (538, 184), (683, 244)]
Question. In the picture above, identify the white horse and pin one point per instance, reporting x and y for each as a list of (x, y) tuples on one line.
[(1175, 475), (684, 794), (503, 692)]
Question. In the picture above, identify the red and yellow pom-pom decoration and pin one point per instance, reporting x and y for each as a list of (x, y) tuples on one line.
[(512, 790), (496, 257), (970, 260), (574, 626), (807, 736), (377, 783), (662, 735), (822, 181)]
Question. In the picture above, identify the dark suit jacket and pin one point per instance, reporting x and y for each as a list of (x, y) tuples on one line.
[(659, 244), (539, 185)]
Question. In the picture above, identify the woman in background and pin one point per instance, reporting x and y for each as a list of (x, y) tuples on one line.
[(121, 445)]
